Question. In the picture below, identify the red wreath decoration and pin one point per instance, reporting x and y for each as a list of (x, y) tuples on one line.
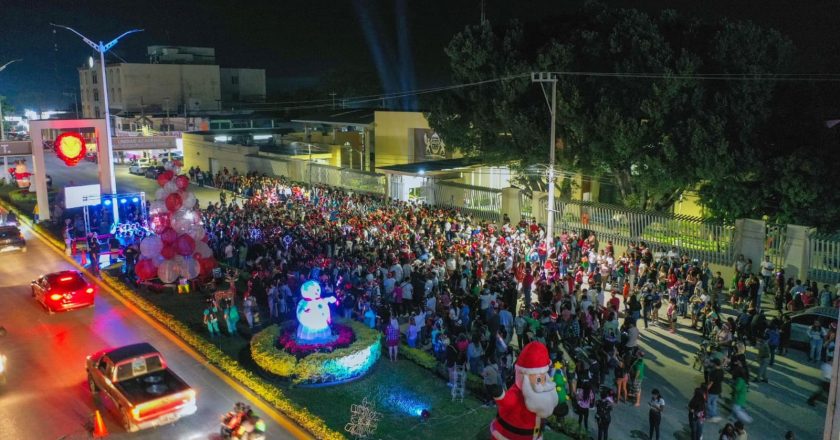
[(70, 147)]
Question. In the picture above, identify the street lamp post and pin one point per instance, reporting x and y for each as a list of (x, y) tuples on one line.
[(102, 48), (6, 176), (542, 78)]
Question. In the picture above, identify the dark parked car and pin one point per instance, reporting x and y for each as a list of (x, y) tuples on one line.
[(11, 238), (154, 172)]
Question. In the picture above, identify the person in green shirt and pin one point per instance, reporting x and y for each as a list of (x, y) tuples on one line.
[(637, 373), (562, 408), (739, 393)]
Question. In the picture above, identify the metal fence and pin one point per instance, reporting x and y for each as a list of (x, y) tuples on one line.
[(480, 202), (526, 205), (353, 180), (824, 258), (776, 244), (703, 240)]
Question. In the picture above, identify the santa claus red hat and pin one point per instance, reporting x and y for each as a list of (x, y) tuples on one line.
[(533, 359)]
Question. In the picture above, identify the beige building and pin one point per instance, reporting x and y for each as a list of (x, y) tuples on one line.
[(177, 80), (242, 85)]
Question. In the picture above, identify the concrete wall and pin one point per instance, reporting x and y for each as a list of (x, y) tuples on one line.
[(198, 152), (249, 87), (392, 136)]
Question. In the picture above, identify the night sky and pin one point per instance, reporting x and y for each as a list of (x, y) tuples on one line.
[(297, 41)]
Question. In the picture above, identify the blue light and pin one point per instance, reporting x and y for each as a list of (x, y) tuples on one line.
[(406, 402), (123, 200), (135, 199), (107, 202)]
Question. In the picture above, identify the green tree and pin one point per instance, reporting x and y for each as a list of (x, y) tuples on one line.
[(655, 136)]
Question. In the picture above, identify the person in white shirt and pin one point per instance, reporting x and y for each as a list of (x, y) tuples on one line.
[(485, 299), (585, 303), (767, 269), (397, 270)]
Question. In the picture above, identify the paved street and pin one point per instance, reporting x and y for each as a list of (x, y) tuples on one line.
[(85, 173), (46, 396), (776, 406)]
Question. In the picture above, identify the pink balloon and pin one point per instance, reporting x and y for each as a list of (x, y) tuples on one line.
[(184, 245), (168, 236)]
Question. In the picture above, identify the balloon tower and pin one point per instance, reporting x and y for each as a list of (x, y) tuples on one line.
[(178, 248)]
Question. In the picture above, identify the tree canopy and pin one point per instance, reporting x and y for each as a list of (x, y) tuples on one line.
[(656, 104)]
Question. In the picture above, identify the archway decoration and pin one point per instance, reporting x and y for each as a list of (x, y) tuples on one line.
[(70, 147)]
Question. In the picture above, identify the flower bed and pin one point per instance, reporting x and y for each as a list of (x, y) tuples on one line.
[(288, 343), (338, 365)]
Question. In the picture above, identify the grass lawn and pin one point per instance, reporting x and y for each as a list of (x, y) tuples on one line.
[(397, 390)]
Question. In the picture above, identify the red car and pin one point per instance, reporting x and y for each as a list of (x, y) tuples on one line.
[(65, 290)]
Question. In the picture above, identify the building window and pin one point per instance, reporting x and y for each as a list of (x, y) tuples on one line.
[(93, 77), (96, 112), (234, 80), (96, 95)]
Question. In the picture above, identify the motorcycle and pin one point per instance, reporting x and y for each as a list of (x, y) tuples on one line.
[(242, 424)]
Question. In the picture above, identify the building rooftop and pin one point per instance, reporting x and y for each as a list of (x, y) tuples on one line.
[(430, 167)]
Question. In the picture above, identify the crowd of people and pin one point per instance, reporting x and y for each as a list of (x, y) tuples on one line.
[(473, 292)]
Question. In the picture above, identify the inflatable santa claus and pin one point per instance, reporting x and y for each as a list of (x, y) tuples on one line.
[(531, 399)]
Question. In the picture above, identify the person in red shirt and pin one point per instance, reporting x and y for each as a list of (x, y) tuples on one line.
[(614, 301)]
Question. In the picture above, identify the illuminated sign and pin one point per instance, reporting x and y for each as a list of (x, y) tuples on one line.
[(70, 147)]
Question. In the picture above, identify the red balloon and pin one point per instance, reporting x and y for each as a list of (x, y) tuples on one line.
[(183, 182), (184, 245), (167, 252), (207, 265), (174, 202), (165, 177), (145, 269), (160, 222), (168, 236)]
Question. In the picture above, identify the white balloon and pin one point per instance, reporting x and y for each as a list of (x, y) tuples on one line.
[(176, 170), (197, 232), (160, 194), (168, 271), (188, 200), (192, 267), (150, 246), (157, 207), (170, 187), (168, 166), (203, 249)]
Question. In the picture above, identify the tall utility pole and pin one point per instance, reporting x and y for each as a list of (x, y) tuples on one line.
[(109, 156), (333, 97), (6, 175), (542, 78)]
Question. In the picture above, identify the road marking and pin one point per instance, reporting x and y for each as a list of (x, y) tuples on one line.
[(275, 415)]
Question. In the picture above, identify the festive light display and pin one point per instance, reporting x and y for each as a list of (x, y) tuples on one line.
[(313, 315), (180, 249), (70, 147)]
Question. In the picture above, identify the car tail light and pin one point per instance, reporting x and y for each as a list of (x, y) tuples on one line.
[(89, 290), (56, 296)]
